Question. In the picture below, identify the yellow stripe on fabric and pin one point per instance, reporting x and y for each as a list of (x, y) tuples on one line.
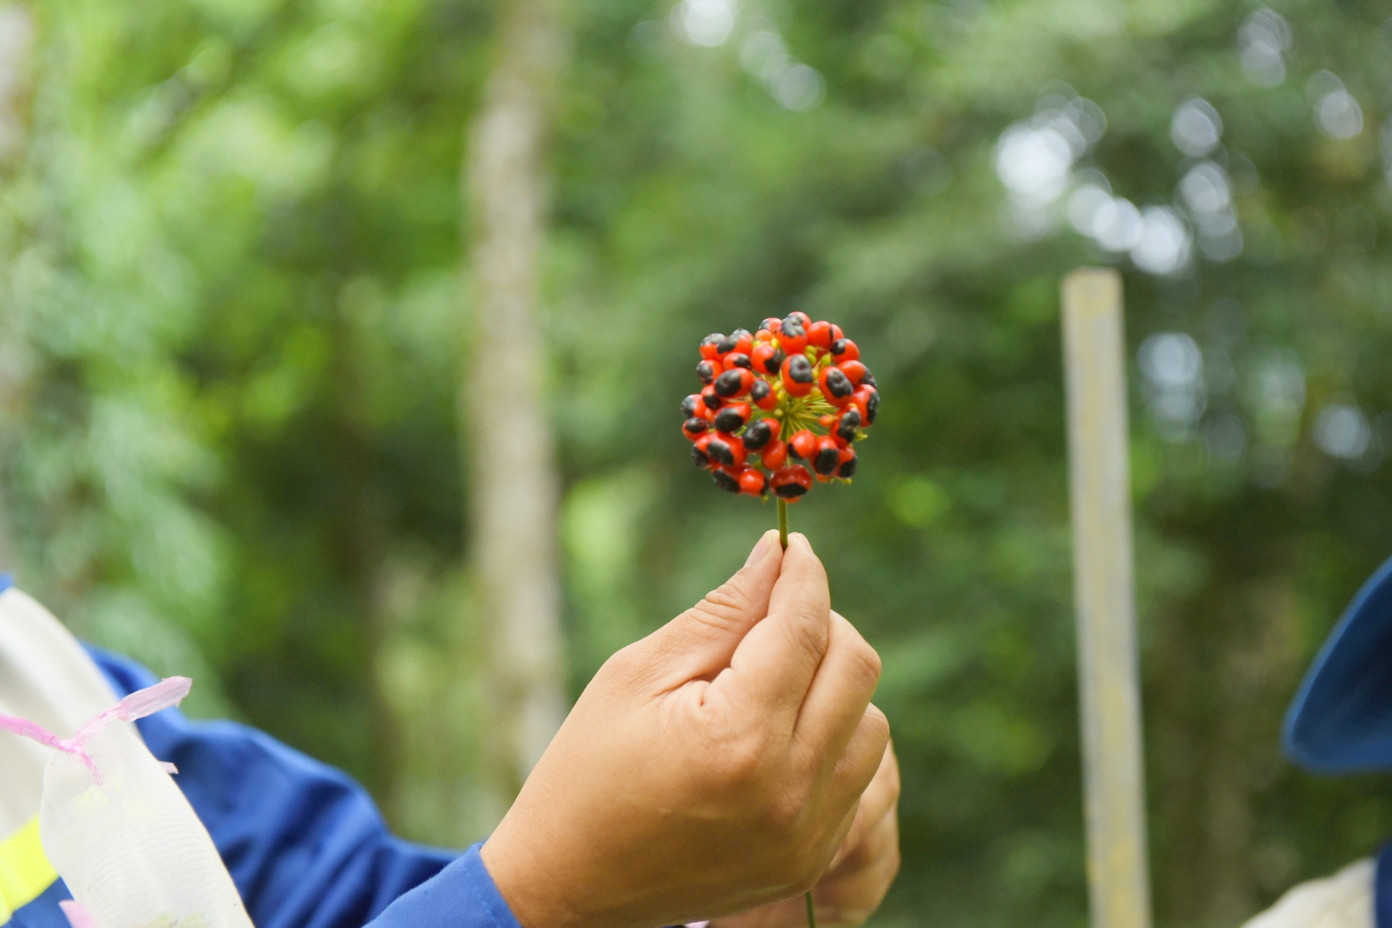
[(24, 869)]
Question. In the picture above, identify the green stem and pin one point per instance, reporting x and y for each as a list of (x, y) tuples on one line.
[(783, 538)]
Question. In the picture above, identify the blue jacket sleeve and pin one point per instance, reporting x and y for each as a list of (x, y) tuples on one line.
[(305, 845)]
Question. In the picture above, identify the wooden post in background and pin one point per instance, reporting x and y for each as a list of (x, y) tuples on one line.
[(1109, 689)]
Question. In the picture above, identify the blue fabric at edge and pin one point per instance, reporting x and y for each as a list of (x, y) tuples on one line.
[(304, 843)]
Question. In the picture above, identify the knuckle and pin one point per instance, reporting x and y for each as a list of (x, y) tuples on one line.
[(741, 767), (868, 661), (878, 725), (783, 817), (894, 786), (858, 857), (728, 599), (623, 663), (807, 635)]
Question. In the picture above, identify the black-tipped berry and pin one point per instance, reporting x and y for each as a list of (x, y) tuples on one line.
[(725, 480), (734, 382), (698, 452), (727, 450), (836, 386), (828, 456), (790, 483), (792, 337), (758, 435), (766, 359), (733, 416), (843, 349), (797, 375), (695, 427), (847, 427)]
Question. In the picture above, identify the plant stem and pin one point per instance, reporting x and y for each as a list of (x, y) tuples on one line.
[(783, 539)]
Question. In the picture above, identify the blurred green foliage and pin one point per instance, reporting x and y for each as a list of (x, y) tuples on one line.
[(234, 312)]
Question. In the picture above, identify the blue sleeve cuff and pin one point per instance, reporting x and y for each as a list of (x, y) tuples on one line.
[(463, 895)]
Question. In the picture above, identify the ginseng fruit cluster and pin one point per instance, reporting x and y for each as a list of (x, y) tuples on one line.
[(779, 406)]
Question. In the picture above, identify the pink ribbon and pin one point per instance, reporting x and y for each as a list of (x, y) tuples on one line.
[(168, 692)]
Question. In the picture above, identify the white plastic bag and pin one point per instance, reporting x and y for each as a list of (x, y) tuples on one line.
[(120, 833)]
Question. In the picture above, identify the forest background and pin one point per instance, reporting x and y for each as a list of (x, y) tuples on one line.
[(258, 429)]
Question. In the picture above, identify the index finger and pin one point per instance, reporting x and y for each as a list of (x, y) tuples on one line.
[(774, 665)]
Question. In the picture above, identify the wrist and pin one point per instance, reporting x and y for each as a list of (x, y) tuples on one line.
[(527, 886)]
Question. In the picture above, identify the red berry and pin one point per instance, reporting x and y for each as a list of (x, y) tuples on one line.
[(762, 395), (827, 456), (792, 337), (855, 371), (766, 359), (800, 316), (735, 382), (708, 346), (692, 405), (867, 400), (710, 399), (737, 359), (843, 349), (727, 450), (836, 333), (775, 454), (848, 425), (847, 466), (707, 370), (803, 444), (836, 386), (744, 342), (752, 481), (699, 457), (772, 324), (758, 435), (790, 483), (733, 416), (819, 335), (725, 480), (694, 427), (798, 378)]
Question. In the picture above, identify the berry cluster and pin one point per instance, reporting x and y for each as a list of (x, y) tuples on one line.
[(793, 391)]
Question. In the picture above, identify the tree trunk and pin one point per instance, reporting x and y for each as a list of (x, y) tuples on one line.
[(506, 433)]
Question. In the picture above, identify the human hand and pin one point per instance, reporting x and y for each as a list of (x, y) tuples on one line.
[(710, 768), (860, 874)]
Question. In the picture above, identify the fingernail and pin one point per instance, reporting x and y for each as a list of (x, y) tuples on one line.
[(800, 538), (761, 550)]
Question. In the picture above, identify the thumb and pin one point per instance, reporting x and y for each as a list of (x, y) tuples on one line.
[(700, 641)]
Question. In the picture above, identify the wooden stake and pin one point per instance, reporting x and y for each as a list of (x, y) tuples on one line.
[(1109, 690)]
